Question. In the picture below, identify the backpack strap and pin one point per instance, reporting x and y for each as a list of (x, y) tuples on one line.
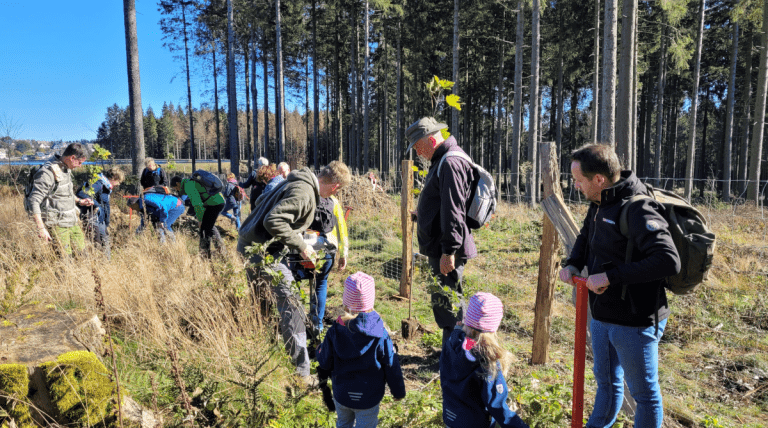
[(457, 153), (624, 228)]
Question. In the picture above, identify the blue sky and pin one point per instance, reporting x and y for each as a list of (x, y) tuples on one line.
[(63, 63)]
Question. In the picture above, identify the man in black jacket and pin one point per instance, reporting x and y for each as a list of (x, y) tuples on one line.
[(627, 325), (443, 234)]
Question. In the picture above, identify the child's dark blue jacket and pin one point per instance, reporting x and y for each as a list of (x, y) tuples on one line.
[(362, 359), (470, 398), (101, 191), (159, 205)]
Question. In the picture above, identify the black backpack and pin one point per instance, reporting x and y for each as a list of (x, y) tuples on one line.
[(210, 181), (694, 240), (324, 221)]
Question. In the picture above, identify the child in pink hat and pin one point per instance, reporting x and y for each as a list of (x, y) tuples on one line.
[(472, 367), (358, 354)]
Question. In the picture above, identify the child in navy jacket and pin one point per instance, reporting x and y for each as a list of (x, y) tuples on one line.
[(359, 354), (472, 367)]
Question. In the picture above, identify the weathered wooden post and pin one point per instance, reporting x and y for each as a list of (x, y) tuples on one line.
[(549, 257), (406, 206)]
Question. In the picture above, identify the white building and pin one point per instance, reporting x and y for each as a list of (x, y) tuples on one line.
[(3, 154)]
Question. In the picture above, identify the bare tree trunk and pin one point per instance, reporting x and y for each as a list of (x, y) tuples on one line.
[(249, 141), (366, 86), (499, 103), (279, 91), (559, 97), (134, 86), (747, 102), (234, 142), (727, 147), (694, 105), (533, 184), (455, 91), (660, 109), (316, 94), (596, 77), (398, 95), (192, 152), (753, 187), (608, 105), (517, 108), (257, 151), (265, 65), (216, 105), (624, 125), (353, 94)]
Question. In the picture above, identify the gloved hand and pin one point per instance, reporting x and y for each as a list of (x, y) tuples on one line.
[(567, 273), (322, 377)]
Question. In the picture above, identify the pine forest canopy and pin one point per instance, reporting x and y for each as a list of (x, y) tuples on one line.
[(362, 66)]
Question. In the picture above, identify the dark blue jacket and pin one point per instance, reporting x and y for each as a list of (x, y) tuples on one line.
[(99, 192), (257, 189), (362, 359), (471, 399), (159, 205)]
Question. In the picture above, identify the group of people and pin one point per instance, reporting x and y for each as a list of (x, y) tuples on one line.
[(298, 214)]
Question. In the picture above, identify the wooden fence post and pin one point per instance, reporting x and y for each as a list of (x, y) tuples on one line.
[(549, 257), (406, 206)]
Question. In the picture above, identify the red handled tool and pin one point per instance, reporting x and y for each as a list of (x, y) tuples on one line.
[(579, 352)]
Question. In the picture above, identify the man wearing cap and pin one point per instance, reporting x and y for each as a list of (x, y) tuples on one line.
[(443, 234)]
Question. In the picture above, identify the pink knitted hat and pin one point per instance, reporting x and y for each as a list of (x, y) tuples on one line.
[(484, 312), (359, 292)]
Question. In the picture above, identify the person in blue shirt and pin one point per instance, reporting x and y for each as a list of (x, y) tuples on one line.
[(162, 209), (360, 357), (472, 366), (96, 217)]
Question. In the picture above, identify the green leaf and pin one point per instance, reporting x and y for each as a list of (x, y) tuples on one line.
[(415, 168), (415, 191)]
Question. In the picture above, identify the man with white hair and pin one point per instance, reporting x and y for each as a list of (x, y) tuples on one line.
[(283, 169)]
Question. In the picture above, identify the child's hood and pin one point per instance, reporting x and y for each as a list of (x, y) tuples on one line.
[(359, 335), (459, 361)]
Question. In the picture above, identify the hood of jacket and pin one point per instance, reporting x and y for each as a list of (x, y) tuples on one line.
[(307, 176), (461, 361), (350, 345)]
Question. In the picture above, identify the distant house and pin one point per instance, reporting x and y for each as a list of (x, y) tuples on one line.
[(43, 146), (58, 146), (3, 154)]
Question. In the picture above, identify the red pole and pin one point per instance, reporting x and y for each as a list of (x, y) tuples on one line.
[(579, 352)]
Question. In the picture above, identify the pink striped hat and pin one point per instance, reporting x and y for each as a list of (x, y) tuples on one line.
[(484, 312), (359, 292)]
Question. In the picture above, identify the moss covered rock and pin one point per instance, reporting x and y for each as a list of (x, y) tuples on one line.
[(81, 389), (14, 389)]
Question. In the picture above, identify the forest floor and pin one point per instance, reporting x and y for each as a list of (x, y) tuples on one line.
[(164, 299)]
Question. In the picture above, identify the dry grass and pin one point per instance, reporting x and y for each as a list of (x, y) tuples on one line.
[(713, 355)]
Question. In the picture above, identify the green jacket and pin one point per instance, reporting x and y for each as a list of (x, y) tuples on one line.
[(284, 213), (199, 197), (53, 195)]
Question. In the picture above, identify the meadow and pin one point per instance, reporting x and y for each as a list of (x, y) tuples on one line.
[(190, 347)]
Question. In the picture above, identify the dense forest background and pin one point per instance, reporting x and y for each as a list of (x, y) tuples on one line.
[(678, 86)]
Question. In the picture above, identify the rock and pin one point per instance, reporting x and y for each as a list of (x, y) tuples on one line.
[(49, 358), (38, 333)]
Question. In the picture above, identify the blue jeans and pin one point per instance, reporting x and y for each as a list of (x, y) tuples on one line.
[(631, 352), (348, 418), (234, 215), (318, 294)]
